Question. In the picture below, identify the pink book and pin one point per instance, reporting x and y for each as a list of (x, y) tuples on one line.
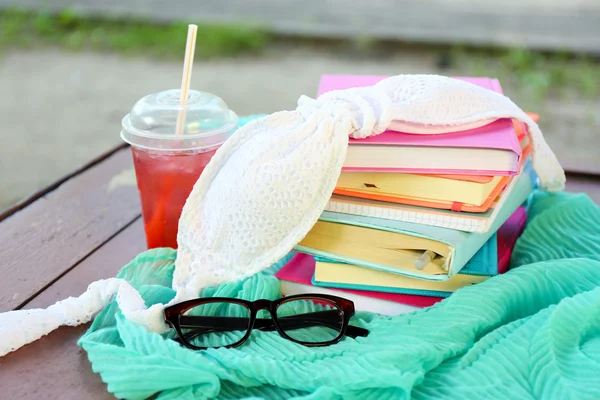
[(488, 148), (507, 236)]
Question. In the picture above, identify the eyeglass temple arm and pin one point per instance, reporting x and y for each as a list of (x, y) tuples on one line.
[(212, 324)]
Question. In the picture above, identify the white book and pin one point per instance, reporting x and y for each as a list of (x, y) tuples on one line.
[(388, 156)]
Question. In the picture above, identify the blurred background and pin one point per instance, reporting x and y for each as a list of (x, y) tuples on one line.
[(70, 70)]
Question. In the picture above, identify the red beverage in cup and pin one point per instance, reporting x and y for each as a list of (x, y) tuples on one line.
[(165, 182), (168, 164)]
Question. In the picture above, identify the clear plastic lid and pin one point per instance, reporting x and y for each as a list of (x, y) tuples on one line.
[(152, 122)]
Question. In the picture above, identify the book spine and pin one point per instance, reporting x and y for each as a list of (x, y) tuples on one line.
[(459, 224)]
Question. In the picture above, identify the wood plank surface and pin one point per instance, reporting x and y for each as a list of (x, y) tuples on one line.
[(55, 232), (100, 231), (55, 367), (584, 184), (25, 202), (106, 262)]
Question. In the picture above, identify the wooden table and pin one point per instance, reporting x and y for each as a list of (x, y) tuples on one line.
[(82, 228)]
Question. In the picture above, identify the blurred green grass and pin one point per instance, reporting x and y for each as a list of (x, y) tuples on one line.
[(536, 75), (30, 30)]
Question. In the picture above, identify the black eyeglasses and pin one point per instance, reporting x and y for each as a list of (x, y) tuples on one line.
[(307, 319)]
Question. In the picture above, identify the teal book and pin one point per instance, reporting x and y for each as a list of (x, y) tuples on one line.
[(483, 265), (393, 246)]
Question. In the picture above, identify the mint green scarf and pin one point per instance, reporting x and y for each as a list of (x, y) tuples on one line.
[(531, 333)]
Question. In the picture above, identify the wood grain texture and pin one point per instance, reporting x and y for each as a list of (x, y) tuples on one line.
[(105, 262), (59, 229), (45, 190), (55, 367)]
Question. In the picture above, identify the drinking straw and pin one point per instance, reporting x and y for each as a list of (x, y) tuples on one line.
[(188, 62), (159, 215)]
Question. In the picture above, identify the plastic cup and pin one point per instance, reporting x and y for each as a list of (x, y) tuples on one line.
[(167, 164)]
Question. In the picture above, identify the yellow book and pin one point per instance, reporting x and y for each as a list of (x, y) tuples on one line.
[(475, 190), (348, 275), (381, 247)]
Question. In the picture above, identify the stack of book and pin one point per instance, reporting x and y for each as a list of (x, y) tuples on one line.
[(416, 217)]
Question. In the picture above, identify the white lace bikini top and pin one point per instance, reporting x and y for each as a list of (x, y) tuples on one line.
[(267, 185)]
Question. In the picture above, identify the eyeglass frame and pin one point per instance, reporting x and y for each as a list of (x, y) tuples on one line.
[(173, 313)]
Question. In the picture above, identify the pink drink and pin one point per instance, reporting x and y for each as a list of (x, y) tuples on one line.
[(167, 165)]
